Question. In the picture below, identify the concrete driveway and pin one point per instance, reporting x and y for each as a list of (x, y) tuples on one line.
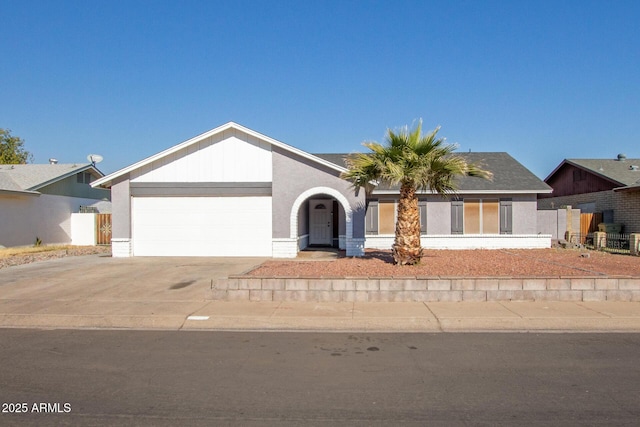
[(101, 276), (111, 292)]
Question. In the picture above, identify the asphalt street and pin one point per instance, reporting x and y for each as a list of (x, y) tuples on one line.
[(109, 377)]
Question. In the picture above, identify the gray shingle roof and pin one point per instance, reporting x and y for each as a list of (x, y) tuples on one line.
[(31, 177), (335, 158), (8, 184), (618, 171), (509, 175)]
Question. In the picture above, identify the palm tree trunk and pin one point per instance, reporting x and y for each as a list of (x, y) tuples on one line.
[(407, 249)]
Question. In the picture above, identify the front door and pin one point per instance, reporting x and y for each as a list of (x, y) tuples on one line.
[(320, 222)]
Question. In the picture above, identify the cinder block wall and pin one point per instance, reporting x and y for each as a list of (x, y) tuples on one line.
[(426, 289), (625, 205)]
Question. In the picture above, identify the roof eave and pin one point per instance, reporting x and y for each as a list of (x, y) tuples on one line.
[(555, 170), (20, 192), (635, 187)]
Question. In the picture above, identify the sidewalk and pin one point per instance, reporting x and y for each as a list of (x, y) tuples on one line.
[(326, 317), (420, 317), (170, 294)]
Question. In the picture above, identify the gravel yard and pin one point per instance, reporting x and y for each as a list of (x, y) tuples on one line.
[(464, 263), (28, 255)]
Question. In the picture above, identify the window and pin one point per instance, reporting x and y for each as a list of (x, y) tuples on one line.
[(381, 217), (480, 216), (84, 178), (472, 216), (387, 216), (579, 175), (490, 217)]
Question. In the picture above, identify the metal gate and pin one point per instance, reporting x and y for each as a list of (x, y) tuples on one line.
[(103, 229)]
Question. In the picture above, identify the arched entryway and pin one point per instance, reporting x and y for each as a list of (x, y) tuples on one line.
[(318, 203)]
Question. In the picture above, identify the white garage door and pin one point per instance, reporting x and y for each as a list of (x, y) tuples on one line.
[(201, 226)]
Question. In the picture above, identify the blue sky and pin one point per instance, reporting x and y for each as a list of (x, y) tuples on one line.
[(542, 80)]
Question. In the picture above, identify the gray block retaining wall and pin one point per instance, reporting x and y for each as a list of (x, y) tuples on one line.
[(242, 288)]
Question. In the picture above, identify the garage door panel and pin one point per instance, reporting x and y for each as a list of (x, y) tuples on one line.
[(201, 226)]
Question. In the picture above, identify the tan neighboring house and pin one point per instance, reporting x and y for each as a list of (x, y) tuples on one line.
[(37, 201), (610, 187)]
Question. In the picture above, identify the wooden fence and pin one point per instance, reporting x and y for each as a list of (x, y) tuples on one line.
[(589, 224)]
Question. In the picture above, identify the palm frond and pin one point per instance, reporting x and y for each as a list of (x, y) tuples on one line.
[(424, 162)]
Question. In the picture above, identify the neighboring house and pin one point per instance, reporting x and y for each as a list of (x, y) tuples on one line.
[(607, 186), (235, 192), (37, 200)]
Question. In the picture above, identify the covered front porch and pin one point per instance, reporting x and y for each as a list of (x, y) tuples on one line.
[(321, 217)]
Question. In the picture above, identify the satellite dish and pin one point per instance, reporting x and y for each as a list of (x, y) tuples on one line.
[(94, 158)]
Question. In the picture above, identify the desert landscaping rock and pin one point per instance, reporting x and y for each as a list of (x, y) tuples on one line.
[(464, 263), (27, 258)]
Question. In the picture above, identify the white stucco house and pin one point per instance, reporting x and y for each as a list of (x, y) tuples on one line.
[(38, 200), (232, 191)]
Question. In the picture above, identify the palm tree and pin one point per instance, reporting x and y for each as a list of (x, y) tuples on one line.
[(414, 162)]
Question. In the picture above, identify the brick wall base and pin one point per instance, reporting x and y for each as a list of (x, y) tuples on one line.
[(121, 248)]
